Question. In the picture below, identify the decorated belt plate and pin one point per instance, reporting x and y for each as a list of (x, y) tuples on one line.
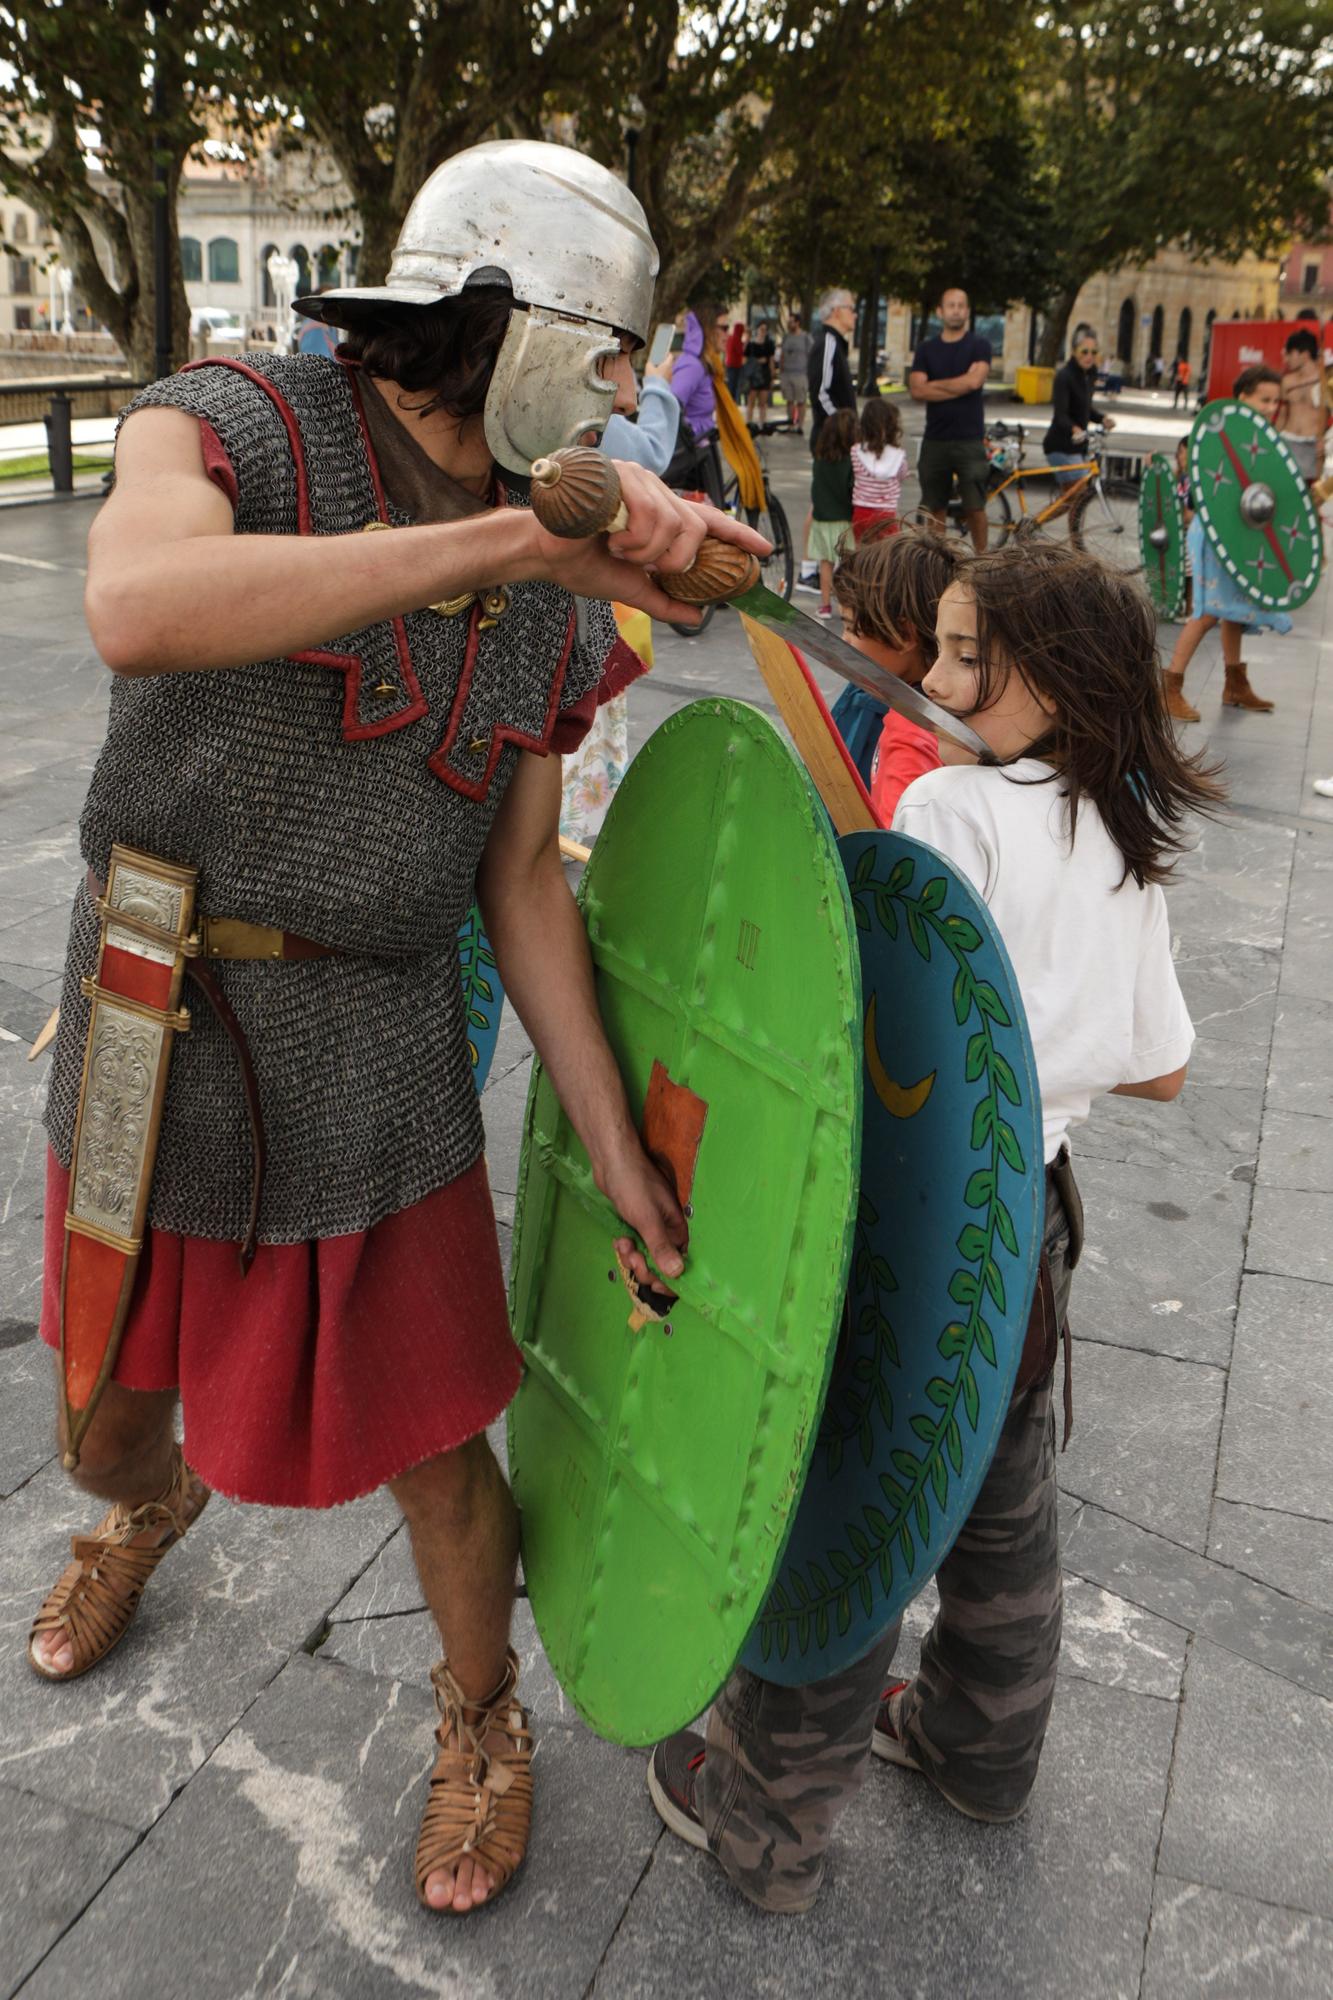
[(1162, 536), (1255, 506), (947, 1241), (656, 1454)]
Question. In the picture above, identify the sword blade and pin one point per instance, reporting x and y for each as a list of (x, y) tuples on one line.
[(799, 629)]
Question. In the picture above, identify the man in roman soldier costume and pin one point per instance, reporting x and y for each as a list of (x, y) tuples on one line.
[(266, 1193)]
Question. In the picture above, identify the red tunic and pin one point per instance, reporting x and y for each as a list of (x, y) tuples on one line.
[(335, 1365)]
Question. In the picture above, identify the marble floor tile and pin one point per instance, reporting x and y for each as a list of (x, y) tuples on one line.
[(285, 1867), (1291, 1234), (1248, 1810), (1145, 1439), (1227, 1947), (246, 1587), (1297, 1150), (1275, 1442), (1162, 1259), (1251, 1619), (1290, 1551), (53, 1861)]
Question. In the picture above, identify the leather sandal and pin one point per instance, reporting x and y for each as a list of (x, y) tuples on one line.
[(98, 1594), (480, 1802)]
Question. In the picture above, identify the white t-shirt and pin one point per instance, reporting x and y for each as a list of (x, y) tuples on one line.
[(1092, 955)]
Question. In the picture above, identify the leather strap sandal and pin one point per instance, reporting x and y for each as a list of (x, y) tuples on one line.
[(480, 1802), (98, 1594)]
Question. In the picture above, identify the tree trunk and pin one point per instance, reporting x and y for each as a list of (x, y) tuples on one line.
[(1057, 311)]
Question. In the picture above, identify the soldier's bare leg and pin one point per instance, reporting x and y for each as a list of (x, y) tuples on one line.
[(464, 1529), (125, 1457)]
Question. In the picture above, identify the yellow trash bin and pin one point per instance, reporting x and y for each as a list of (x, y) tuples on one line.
[(1034, 385)]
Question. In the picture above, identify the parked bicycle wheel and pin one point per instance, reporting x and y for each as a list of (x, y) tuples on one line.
[(777, 571), (1104, 520), (705, 476), (999, 518)]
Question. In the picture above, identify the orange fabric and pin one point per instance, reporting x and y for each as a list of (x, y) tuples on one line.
[(95, 1273), (906, 751)]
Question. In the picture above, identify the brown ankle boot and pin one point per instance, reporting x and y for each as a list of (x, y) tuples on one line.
[(1176, 705), (1238, 693)]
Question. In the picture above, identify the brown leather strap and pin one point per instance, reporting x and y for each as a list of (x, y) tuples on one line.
[(232, 937), (206, 980)]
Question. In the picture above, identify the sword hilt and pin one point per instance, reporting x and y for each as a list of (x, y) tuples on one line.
[(576, 493)]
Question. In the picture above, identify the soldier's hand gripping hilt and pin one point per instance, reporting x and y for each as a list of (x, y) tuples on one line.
[(576, 493)]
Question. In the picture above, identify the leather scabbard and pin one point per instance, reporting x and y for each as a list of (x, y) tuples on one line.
[(147, 939)]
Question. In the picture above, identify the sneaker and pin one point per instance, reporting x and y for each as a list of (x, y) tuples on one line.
[(887, 1741), (807, 578), (825, 611), (673, 1778), (1324, 787)]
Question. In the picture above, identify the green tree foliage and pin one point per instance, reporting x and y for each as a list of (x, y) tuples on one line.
[(1202, 122), (81, 142), (393, 87)]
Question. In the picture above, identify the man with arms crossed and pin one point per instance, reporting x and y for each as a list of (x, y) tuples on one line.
[(948, 374)]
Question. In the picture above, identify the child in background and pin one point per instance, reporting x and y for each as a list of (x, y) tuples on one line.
[(831, 500), (1052, 659), (1216, 598), (878, 464), (1185, 495), (888, 592)]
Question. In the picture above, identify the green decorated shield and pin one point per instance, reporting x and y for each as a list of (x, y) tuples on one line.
[(1162, 536), (657, 1464), (1255, 506)]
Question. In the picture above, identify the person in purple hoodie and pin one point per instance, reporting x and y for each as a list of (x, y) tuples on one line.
[(691, 378)]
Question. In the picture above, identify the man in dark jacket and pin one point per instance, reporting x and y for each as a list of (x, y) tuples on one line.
[(829, 375), (1065, 443), (830, 371)]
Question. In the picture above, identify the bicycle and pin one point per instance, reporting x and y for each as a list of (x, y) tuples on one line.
[(1102, 513), (721, 486)]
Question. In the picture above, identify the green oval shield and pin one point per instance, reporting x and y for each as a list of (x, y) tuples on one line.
[(657, 1469), (1162, 536), (1255, 506)]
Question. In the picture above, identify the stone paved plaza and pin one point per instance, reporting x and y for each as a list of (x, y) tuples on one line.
[(228, 1806)]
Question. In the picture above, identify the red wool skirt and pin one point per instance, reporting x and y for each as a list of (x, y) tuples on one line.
[(335, 1365)]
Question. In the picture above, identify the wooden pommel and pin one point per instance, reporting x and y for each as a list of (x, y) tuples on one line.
[(576, 493)]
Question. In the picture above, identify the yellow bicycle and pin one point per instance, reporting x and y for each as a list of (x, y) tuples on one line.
[(1099, 513)]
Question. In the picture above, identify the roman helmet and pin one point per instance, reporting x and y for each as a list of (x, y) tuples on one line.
[(572, 244)]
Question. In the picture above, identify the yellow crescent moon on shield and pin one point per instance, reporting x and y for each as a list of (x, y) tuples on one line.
[(898, 1101)]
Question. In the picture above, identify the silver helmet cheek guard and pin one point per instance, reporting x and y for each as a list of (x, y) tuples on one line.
[(547, 390)]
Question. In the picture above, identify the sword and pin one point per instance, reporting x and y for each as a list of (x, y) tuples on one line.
[(799, 629), (576, 492)]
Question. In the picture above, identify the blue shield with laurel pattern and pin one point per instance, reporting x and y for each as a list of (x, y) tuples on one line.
[(483, 994), (947, 1242)]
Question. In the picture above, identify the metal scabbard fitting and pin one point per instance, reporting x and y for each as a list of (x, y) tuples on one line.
[(147, 939)]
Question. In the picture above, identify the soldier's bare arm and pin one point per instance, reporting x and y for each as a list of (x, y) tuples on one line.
[(172, 589), (541, 949)]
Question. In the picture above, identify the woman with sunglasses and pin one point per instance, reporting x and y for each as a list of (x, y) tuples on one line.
[(1065, 443)]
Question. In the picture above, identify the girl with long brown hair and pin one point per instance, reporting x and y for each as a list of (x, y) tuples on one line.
[(1052, 660)]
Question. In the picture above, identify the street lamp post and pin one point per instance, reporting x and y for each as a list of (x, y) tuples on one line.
[(66, 277)]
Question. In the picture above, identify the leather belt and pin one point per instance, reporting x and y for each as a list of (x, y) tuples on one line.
[(229, 938)]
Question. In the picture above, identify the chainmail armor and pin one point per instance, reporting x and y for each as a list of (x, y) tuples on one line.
[(317, 804)]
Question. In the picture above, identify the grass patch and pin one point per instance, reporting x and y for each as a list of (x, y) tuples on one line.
[(37, 463)]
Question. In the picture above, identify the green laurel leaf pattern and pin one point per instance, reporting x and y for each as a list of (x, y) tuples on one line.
[(811, 1600)]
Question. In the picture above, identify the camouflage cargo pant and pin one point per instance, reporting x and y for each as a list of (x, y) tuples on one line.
[(783, 1762)]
